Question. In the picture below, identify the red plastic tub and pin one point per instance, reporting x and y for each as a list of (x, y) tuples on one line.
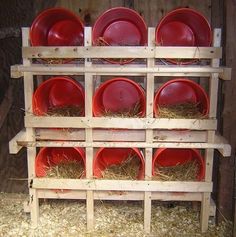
[(52, 156), (120, 26), (183, 27), (57, 27), (119, 95), (58, 92), (171, 157), (106, 157), (179, 91)]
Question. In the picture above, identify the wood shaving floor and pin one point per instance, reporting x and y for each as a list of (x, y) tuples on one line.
[(112, 219)]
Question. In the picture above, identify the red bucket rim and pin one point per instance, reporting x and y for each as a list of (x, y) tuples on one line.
[(41, 162), (194, 86), (208, 32), (33, 29), (97, 172), (113, 15), (97, 108), (197, 157), (35, 103)]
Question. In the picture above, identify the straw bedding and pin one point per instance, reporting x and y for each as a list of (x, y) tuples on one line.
[(178, 111), (181, 172)]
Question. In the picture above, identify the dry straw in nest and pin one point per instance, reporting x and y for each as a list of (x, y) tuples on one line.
[(102, 42), (131, 113), (70, 111), (178, 111), (66, 170), (181, 172), (127, 170)]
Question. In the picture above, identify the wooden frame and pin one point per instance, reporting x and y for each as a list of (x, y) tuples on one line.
[(149, 132)]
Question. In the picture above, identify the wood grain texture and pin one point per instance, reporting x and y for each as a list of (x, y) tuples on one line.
[(226, 167)]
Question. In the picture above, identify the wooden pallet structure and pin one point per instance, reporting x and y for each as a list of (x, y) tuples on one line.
[(147, 133)]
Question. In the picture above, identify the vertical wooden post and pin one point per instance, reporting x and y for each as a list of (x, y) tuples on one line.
[(88, 77), (30, 133), (149, 134), (209, 153)]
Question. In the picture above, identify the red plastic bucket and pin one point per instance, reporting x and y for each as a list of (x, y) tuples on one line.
[(52, 156), (167, 157), (120, 26), (180, 91), (106, 157), (57, 27), (183, 27), (117, 95), (58, 92)]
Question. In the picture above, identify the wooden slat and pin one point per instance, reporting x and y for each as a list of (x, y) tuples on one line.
[(121, 52), (223, 148), (132, 69), (120, 135), (14, 148), (119, 195), (118, 123), (121, 185)]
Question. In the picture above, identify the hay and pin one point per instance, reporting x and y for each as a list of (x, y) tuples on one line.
[(133, 112), (68, 170), (181, 172), (102, 42), (127, 170), (178, 111), (70, 111)]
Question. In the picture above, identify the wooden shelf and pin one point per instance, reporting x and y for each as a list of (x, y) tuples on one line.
[(147, 133)]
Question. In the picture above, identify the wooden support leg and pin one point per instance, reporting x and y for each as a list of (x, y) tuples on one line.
[(90, 210), (34, 207), (205, 211), (147, 212)]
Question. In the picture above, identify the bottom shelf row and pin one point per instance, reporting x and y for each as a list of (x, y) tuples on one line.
[(168, 164)]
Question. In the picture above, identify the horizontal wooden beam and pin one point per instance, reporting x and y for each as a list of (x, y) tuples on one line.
[(119, 123), (119, 195), (121, 52), (121, 185), (224, 149), (121, 135), (132, 69)]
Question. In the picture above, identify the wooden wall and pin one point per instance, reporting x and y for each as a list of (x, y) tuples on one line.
[(17, 13)]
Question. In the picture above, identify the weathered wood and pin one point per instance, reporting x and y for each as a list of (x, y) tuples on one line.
[(121, 52), (6, 105), (224, 149), (132, 70), (227, 167), (121, 185), (124, 123)]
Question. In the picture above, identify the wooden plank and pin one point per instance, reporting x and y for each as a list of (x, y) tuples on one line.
[(121, 185), (30, 134), (88, 77), (209, 155), (6, 105), (121, 135), (226, 74), (121, 52), (224, 148), (132, 69), (149, 134), (126, 123), (14, 148), (119, 195)]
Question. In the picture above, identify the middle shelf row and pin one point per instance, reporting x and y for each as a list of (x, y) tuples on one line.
[(121, 97)]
